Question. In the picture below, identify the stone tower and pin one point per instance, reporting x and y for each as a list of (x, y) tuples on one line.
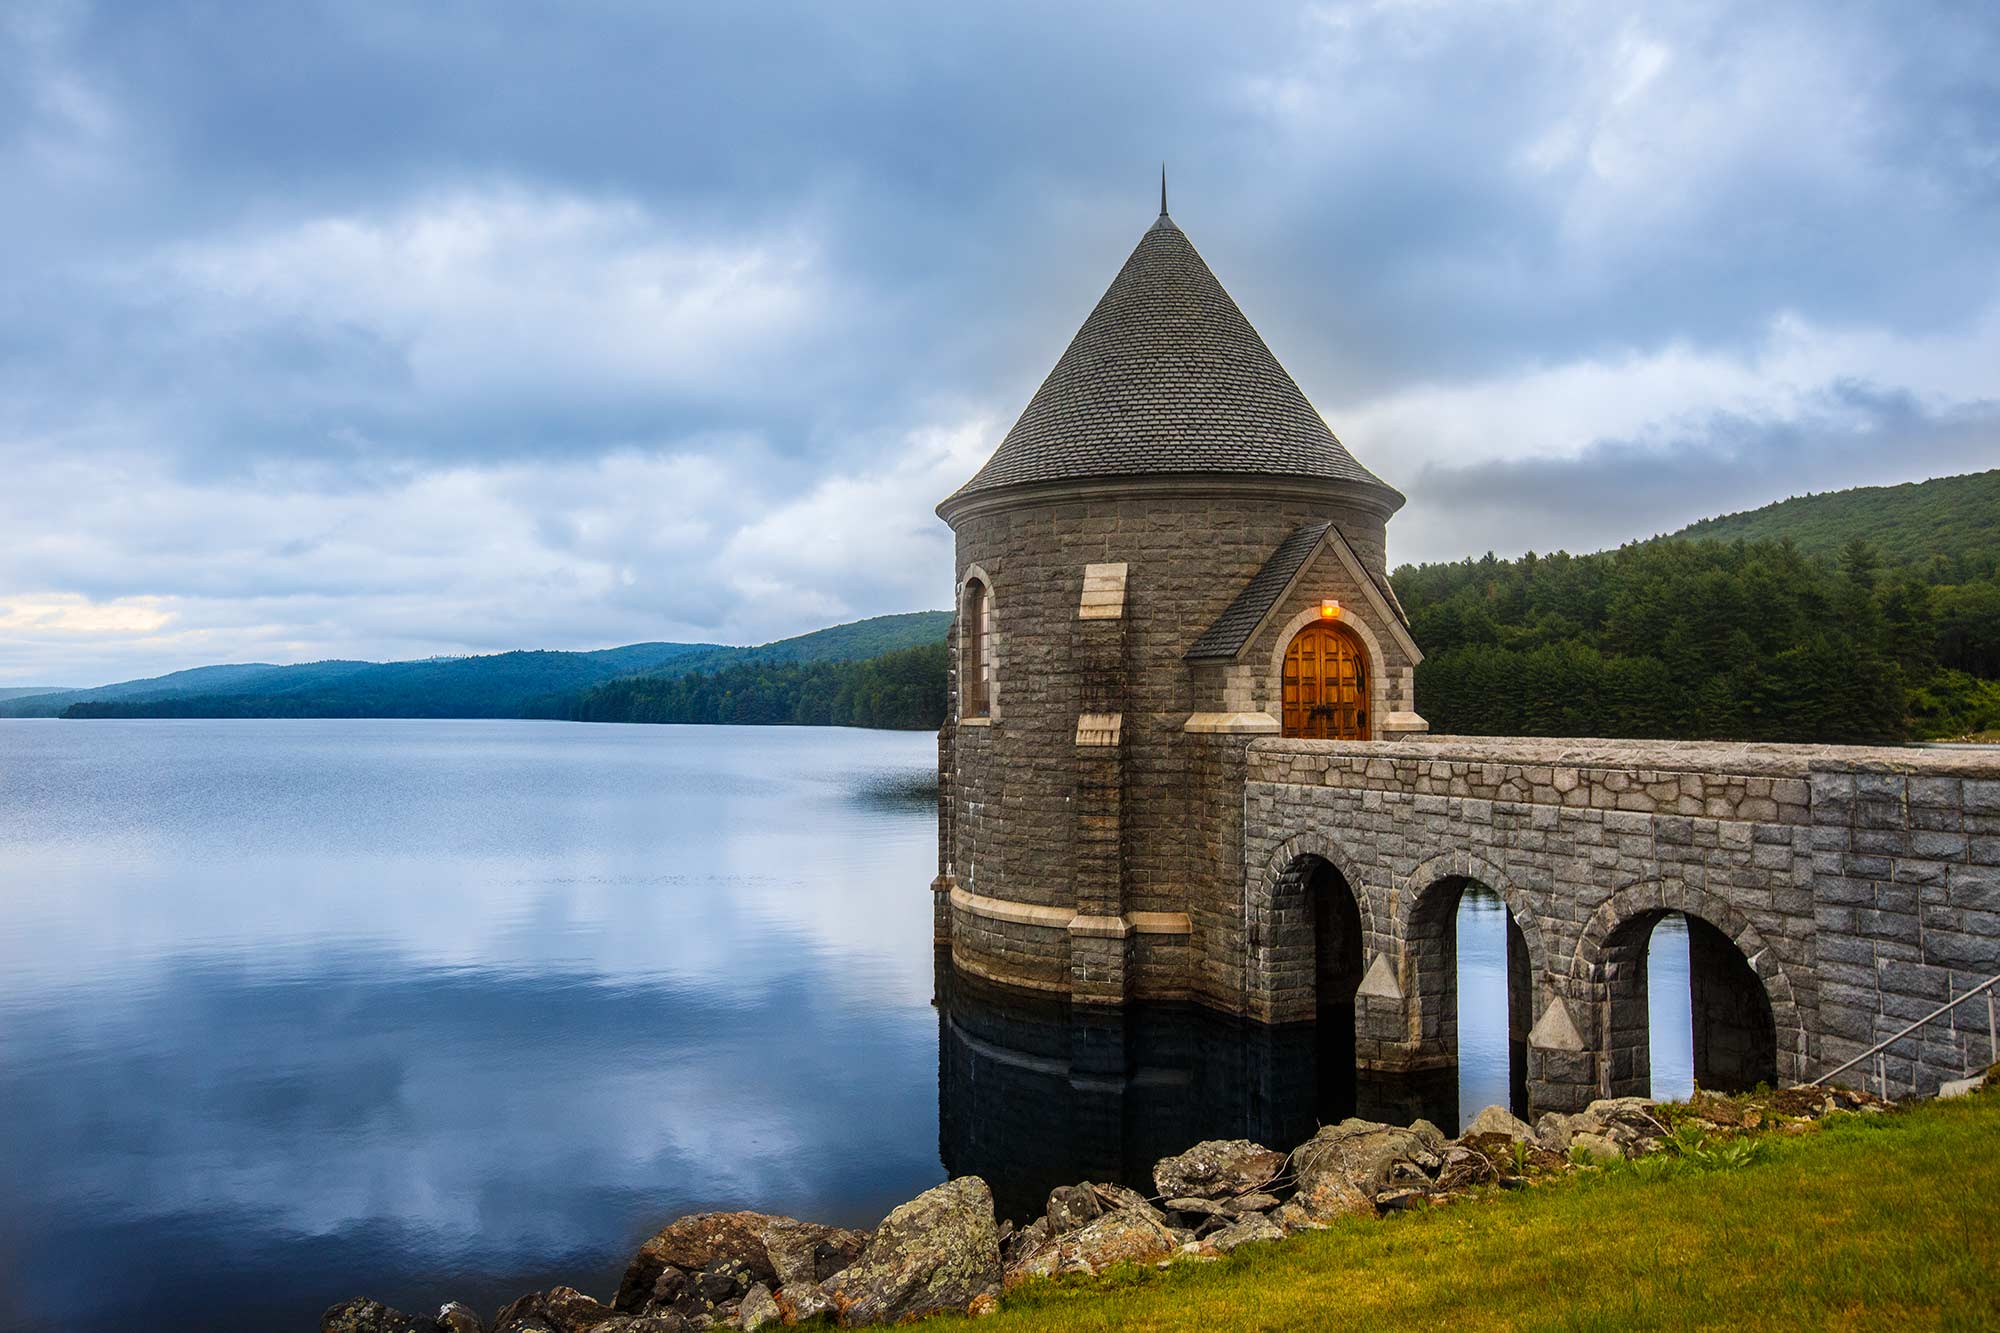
[(1138, 565)]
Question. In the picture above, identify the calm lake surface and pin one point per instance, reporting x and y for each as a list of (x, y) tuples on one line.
[(292, 1011)]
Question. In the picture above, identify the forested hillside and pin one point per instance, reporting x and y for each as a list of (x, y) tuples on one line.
[(1744, 639), (902, 689), (1948, 518)]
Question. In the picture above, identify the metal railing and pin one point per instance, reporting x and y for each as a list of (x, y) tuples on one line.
[(1881, 1064)]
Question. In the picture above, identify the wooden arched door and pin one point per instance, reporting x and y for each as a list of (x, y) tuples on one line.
[(1326, 684)]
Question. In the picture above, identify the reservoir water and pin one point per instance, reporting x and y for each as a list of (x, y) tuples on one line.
[(292, 1011)]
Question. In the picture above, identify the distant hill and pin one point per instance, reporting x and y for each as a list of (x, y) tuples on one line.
[(22, 691), (902, 688), (516, 684), (1953, 519)]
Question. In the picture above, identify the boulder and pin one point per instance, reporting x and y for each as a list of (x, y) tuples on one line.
[(804, 1253), (1243, 1231), (1615, 1126), (1193, 1208), (712, 1292), (1429, 1135), (1326, 1194), (1499, 1120), (457, 1317), (935, 1253), (694, 1242), (1217, 1169), (366, 1316), (557, 1310), (1125, 1235), (1118, 1196), (1072, 1206), (802, 1305), (1368, 1156), (1244, 1204), (758, 1311), (1596, 1147), (1293, 1217), (1026, 1240)]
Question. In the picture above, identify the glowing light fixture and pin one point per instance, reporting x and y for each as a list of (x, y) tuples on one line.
[(1329, 610)]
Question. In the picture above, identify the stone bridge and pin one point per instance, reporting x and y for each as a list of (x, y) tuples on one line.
[(1833, 896)]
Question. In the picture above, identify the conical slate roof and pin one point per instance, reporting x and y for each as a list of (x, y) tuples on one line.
[(1167, 376)]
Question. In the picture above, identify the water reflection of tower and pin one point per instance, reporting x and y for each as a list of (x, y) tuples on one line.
[(1036, 1091)]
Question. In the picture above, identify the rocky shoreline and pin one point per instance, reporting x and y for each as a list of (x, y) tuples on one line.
[(945, 1252)]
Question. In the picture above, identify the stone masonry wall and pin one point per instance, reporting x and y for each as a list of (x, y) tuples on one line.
[(1861, 886)]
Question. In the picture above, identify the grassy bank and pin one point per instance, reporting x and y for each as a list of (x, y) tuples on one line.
[(1867, 1222)]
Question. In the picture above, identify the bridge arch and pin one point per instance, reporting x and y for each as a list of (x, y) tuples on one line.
[(1747, 1026), (1283, 932), (1428, 906), (1312, 923)]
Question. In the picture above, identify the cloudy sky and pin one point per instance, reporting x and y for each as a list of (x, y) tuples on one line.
[(389, 330)]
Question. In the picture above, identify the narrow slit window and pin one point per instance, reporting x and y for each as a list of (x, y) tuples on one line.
[(978, 665)]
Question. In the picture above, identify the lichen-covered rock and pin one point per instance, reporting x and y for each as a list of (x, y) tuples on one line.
[(1124, 1235), (1292, 1217), (1217, 1169), (1633, 1122), (1369, 1156), (1245, 1230), (457, 1317), (1196, 1207), (758, 1311), (1429, 1135), (1072, 1206), (1595, 1147), (1327, 1193), (803, 1304), (366, 1316), (1243, 1204), (693, 1243), (1552, 1131), (804, 1253), (557, 1310), (1024, 1240), (1119, 1196), (935, 1253), (1499, 1120)]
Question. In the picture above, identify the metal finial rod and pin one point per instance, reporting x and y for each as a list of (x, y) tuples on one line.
[(1163, 189)]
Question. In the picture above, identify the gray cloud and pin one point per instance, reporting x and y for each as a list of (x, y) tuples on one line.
[(277, 276), (1621, 490)]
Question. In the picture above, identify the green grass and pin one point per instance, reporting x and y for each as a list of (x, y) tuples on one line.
[(1869, 1222)]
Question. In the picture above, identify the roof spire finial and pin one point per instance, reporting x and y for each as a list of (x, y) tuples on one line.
[(1163, 189)]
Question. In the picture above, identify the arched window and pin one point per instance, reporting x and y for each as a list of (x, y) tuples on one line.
[(975, 670)]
